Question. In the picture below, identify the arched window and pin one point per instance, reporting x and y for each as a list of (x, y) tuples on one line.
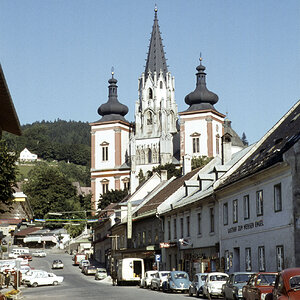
[(161, 84), (149, 156), (138, 157), (149, 118), (150, 93), (142, 159)]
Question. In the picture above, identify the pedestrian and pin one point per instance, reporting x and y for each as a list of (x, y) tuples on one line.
[(7, 279), (114, 277)]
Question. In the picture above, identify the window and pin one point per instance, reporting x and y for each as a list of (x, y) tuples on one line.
[(144, 237), (246, 207), (149, 237), (150, 93), (212, 219), (175, 228), (261, 258), (104, 147), (196, 146), (169, 230), (227, 260), (161, 84), (156, 235), (149, 156), (225, 214), (199, 223), (235, 211), (139, 239), (277, 198), (181, 227), (104, 186), (149, 118), (259, 203), (279, 258), (248, 263), (188, 225)]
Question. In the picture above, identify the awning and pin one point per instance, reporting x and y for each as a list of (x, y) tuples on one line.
[(29, 239)]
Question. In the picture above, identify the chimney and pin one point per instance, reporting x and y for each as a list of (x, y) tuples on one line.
[(187, 164), (226, 148), (163, 175)]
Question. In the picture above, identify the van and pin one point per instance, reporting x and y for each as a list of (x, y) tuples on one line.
[(18, 251), (130, 270)]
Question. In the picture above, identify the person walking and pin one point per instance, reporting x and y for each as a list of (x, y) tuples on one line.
[(7, 279)]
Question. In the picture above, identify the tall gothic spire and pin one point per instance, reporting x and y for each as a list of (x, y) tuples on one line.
[(156, 60), (112, 110)]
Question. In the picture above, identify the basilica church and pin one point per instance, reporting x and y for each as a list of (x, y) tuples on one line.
[(122, 151)]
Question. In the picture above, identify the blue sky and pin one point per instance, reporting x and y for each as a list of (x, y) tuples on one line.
[(57, 55)]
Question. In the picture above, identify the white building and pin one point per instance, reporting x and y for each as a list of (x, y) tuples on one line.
[(26, 155)]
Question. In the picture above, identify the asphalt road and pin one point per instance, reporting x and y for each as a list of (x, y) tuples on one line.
[(78, 286)]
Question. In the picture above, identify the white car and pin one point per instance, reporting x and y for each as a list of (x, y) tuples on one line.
[(44, 279), (158, 279), (32, 273), (213, 284), (146, 280), (39, 253)]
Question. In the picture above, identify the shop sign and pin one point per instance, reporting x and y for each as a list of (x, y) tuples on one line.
[(167, 245)]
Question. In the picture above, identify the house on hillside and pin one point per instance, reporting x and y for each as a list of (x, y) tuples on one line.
[(26, 155)]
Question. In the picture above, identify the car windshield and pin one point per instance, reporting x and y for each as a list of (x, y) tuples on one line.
[(180, 275), (241, 278), (164, 274), (218, 278), (295, 282), (203, 277), (266, 279), (101, 271)]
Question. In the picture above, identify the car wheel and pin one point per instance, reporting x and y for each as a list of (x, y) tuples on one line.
[(190, 292), (35, 284), (55, 283)]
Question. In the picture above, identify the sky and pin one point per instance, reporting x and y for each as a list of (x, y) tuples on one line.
[(57, 55)]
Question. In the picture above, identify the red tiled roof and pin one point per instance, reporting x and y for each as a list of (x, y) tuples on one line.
[(28, 230), (167, 191), (10, 221)]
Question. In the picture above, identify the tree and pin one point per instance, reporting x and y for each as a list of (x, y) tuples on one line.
[(113, 196), (74, 230), (49, 190), (244, 139), (198, 162), (170, 168), (8, 174)]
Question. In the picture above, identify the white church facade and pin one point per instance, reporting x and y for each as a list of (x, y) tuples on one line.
[(122, 151)]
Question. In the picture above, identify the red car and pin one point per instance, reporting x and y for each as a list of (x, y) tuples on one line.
[(287, 285), (25, 256), (259, 285)]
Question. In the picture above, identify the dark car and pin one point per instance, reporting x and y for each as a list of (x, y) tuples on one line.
[(259, 285), (233, 288), (176, 281), (90, 270), (287, 285), (196, 286)]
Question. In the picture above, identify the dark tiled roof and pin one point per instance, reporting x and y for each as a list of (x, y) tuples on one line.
[(27, 231), (272, 149), (8, 117), (167, 191)]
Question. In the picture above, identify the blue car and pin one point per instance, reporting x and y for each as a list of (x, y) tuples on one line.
[(177, 281)]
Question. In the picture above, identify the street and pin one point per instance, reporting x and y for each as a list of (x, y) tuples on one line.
[(78, 286)]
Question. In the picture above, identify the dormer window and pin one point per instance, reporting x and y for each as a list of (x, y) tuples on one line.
[(104, 147), (150, 93)]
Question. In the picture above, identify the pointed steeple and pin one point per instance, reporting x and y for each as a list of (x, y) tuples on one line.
[(112, 110), (156, 60)]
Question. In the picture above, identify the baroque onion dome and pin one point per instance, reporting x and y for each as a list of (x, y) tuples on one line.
[(112, 110), (156, 60), (201, 98)]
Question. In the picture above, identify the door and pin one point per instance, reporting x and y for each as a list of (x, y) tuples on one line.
[(236, 259)]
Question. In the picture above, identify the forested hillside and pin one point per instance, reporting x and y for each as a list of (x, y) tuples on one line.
[(59, 140)]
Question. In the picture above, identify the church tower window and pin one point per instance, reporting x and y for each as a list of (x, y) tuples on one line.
[(217, 144), (149, 118), (161, 84), (196, 145), (104, 147), (150, 93), (104, 184), (149, 156)]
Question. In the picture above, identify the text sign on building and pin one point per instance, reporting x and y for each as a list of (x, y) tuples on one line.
[(167, 245)]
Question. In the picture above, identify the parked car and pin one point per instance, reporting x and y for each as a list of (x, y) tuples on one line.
[(25, 256), (233, 288), (44, 279), (213, 284), (57, 264), (287, 285), (100, 274), (33, 273), (158, 279), (83, 263), (259, 285), (146, 280), (39, 253), (176, 281), (90, 270), (196, 286)]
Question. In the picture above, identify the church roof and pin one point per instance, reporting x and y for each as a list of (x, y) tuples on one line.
[(156, 60), (112, 110), (201, 98)]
